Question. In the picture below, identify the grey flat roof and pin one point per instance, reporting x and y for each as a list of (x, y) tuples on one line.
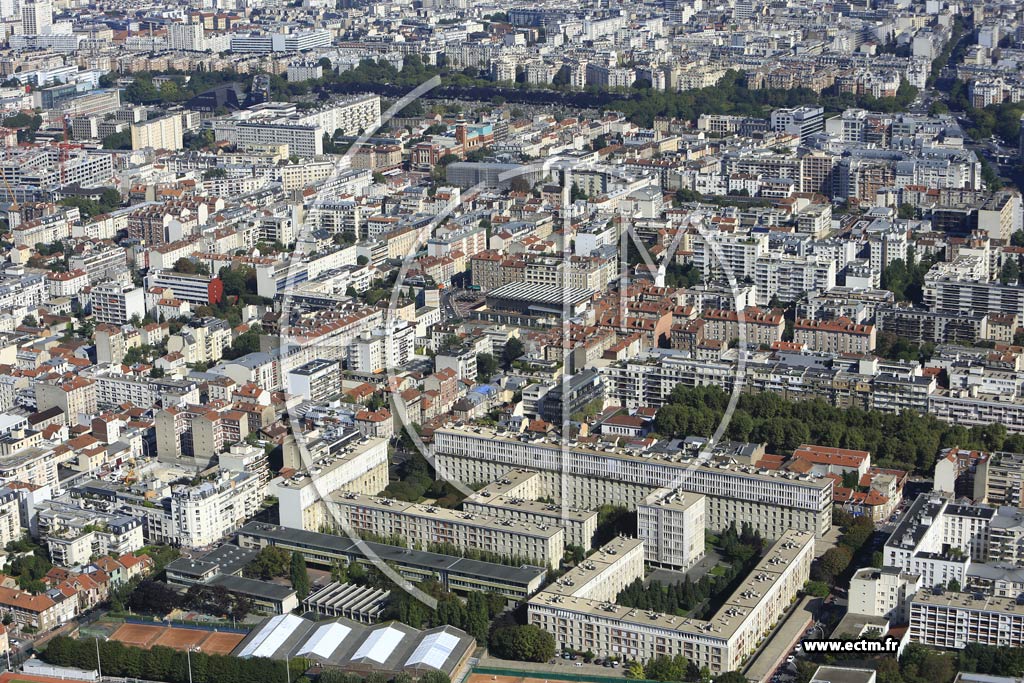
[(841, 674), (313, 540), (252, 587)]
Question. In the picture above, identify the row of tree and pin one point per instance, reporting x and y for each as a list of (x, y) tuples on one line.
[(474, 615), (166, 664), (907, 440)]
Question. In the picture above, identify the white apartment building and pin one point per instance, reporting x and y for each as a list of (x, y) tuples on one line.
[(316, 380), (74, 535), (884, 592), (327, 465), (377, 350), (788, 277), (116, 303), (671, 525), (196, 516), (771, 503), (187, 37), (579, 608), (952, 620), (736, 253)]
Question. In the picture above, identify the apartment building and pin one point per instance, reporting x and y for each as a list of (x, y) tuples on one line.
[(946, 292), (579, 608), (74, 396), (37, 612), (11, 522), (346, 461), (760, 328), (671, 524), (938, 539), (161, 133), (884, 592), (954, 619), (588, 478), (74, 535), (100, 264), (116, 303), (115, 389), (837, 337), (787, 278), (316, 380), (430, 528), (997, 479), (515, 496), (190, 515), (199, 431), (936, 327)]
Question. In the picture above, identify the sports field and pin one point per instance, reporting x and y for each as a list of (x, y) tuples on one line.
[(146, 636)]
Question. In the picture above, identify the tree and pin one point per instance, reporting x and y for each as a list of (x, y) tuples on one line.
[(663, 668), (299, 576), (30, 321), (512, 351), (953, 586), (271, 562), (833, 563), (526, 643), (154, 597), (1010, 274), (906, 211), (486, 366), (817, 589), (122, 140)]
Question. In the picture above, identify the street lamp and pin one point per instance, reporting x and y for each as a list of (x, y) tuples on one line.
[(188, 656), (99, 667)]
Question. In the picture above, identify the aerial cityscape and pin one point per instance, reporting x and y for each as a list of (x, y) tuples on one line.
[(450, 341)]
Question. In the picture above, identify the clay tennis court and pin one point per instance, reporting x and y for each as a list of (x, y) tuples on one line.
[(146, 636)]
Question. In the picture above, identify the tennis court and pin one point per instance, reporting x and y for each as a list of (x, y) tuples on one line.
[(147, 636)]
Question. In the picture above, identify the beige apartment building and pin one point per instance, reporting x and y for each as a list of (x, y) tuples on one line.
[(515, 496), (761, 328), (840, 336), (771, 503), (163, 133), (350, 463), (73, 396), (997, 479), (427, 527), (579, 608)]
